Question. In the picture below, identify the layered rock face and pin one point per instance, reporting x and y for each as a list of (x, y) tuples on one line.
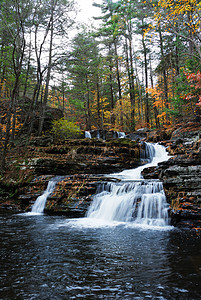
[(71, 197), (181, 176), (81, 165), (88, 156)]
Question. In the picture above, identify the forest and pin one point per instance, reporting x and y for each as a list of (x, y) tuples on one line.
[(137, 66)]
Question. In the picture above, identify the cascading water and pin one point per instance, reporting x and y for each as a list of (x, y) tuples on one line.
[(98, 134), (140, 202), (147, 152), (156, 154), (40, 202), (132, 199), (121, 135), (136, 200), (102, 134), (87, 134)]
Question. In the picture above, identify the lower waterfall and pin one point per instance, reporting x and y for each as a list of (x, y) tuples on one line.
[(133, 199), (140, 202)]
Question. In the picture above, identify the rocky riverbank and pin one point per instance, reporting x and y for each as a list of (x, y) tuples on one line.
[(181, 176)]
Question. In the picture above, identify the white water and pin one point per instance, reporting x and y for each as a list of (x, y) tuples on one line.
[(98, 134), (121, 135), (87, 134), (40, 202), (157, 154), (133, 201), (138, 201)]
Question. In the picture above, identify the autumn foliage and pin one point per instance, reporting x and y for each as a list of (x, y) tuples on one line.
[(62, 129), (194, 80)]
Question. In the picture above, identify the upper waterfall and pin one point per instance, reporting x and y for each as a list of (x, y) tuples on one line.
[(155, 153)]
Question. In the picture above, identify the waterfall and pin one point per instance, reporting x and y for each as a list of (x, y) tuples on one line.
[(147, 152), (121, 135), (155, 154), (87, 134), (98, 134), (140, 202), (133, 199), (40, 202), (102, 134)]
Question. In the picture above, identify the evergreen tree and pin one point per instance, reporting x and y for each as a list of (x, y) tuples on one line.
[(83, 68)]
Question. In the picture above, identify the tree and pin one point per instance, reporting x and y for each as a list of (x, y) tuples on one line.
[(19, 19), (126, 12), (54, 19), (183, 19), (83, 68), (14, 15), (109, 32)]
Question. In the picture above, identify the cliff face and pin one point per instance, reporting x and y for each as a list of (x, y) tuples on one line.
[(71, 197)]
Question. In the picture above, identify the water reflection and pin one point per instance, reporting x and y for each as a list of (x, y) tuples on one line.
[(43, 258)]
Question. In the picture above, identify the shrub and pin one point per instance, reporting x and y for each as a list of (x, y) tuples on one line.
[(62, 129)]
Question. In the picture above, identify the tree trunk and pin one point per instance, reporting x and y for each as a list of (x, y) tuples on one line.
[(8, 125), (147, 117), (191, 48), (98, 102), (49, 69), (132, 84), (17, 57), (119, 83), (88, 106), (111, 87), (27, 72), (165, 82), (132, 99), (32, 112), (155, 108)]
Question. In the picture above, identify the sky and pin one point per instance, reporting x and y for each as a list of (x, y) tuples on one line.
[(88, 10)]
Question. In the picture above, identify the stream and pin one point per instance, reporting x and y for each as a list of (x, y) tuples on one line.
[(109, 254)]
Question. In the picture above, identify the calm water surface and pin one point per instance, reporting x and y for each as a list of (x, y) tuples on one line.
[(46, 257)]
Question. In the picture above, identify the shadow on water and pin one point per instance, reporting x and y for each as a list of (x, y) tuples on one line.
[(46, 257)]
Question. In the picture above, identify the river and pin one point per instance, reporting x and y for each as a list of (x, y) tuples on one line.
[(44, 257)]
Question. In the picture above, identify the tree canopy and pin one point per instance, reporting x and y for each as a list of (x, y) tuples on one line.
[(138, 66)]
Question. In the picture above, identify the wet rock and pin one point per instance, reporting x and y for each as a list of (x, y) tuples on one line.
[(75, 160), (9, 208), (41, 141)]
